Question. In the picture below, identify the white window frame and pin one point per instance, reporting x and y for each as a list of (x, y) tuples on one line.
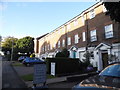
[(83, 19), (54, 45), (69, 41), (48, 47), (42, 49), (92, 13), (58, 44), (63, 43), (83, 35), (51, 47), (93, 35), (75, 22), (68, 26), (109, 31), (76, 39), (63, 28)]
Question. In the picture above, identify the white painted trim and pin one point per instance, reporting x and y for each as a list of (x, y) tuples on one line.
[(117, 44), (71, 49), (82, 49), (103, 44)]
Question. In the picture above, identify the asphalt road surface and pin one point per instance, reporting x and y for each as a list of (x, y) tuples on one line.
[(64, 84), (10, 78)]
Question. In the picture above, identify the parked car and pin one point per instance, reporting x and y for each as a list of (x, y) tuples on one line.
[(21, 58), (109, 78), (30, 61)]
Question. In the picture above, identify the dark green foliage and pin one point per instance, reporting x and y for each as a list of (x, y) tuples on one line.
[(26, 45), (63, 65), (86, 61), (7, 44), (63, 53), (59, 54), (113, 10), (23, 45)]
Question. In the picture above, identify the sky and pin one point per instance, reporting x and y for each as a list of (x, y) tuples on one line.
[(20, 19)]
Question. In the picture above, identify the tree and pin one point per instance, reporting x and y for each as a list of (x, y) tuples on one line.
[(86, 60), (26, 45), (113, 10), (23, 45), (7, 44)]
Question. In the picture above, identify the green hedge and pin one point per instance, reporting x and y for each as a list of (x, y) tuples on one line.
[(63, 65)]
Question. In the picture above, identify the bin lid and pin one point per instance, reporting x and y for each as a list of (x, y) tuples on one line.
[(38, 61)]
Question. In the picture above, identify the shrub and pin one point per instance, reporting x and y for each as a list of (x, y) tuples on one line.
[(59, 54), (63, 65), (63, 53)]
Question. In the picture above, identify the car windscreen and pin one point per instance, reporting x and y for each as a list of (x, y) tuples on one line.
[(113, 70)]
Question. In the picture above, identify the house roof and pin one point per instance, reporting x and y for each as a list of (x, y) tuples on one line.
[(41, 36)]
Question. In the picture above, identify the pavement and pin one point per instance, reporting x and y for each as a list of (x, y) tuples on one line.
[(10, 78), (58, 82)]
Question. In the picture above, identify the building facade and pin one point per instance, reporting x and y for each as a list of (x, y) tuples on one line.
[(90, 31)]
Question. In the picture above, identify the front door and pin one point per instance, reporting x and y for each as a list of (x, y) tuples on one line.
[(105, 59), (74, 54)]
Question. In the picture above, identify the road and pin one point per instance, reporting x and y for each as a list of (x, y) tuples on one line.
[(64, 84), (10, 78)]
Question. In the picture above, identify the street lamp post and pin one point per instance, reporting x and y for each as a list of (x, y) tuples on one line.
[(12, 52)]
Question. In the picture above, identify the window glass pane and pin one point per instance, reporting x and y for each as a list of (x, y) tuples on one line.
[(51, 47), (63, 43), (69, 41), (113, 70), (75, 22), (68, 26), (83, 20), (76, 38), (47, 47), (83, 34), (92, 14), (93, 35), (58, 43), (109, 31)]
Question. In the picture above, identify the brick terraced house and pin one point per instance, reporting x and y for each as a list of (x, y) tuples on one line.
[(91, 30)]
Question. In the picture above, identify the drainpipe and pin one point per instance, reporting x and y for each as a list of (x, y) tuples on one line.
[(87, 41), (66, 36)]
